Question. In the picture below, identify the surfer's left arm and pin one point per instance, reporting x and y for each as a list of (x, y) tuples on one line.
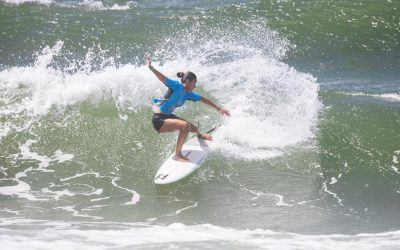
[(214, 105)]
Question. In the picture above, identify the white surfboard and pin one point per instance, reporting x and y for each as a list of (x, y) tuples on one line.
[(196, 150)]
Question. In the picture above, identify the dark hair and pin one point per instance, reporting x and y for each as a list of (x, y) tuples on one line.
[(186, 76)]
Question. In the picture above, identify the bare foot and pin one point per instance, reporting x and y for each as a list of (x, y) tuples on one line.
[(180, 158), (207, 137)]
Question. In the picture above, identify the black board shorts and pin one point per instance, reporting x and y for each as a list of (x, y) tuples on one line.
[(159, 119)]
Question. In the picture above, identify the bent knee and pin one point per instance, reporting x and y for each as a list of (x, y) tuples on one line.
[(183, 126)]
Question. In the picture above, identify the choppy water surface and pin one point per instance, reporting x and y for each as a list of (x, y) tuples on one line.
[(308, 160)]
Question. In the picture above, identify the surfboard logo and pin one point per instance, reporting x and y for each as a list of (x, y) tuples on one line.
[(161, 176)]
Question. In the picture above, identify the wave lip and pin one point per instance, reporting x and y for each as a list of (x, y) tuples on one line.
[(274, 107), (31, 92)]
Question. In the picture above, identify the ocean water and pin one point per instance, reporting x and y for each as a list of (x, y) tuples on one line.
[(308, 160)]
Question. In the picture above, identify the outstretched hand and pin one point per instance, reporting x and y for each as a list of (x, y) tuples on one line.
[(148, 60), (225, 112)]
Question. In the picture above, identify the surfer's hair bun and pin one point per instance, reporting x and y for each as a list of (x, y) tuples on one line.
[(180, 74), (186, 76)]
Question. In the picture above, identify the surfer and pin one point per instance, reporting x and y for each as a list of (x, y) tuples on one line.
[(178, 92)]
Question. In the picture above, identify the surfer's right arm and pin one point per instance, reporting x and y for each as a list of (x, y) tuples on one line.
[(159, 75)]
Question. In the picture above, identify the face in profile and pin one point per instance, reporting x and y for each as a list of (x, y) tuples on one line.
[(190, 84)]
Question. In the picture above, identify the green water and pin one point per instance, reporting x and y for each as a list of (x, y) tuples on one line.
[(308, 160)]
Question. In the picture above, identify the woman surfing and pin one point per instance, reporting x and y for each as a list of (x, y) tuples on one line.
[(178, 92)]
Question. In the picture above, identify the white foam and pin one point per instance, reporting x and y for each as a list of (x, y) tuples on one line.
[(59, 156), (97, 175), (99, 199), (26, 153), (92, 4), (93, 207), (392, 97), (185, 208), (45, 87), (18, 221), (326, 190), (257, 194), (23, 189), (99, 5), (395, 169), (280, 201), (76, 213), (10, 211), (119, 7), (18, 2), (178, 235), (57, 194), (135, 196), (273, 106)]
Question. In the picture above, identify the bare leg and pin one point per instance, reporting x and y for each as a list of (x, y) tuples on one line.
[(171, 125), (183, 132), (194, 129)]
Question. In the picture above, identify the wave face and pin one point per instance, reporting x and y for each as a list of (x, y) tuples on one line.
[(308, 160), (279, 105)]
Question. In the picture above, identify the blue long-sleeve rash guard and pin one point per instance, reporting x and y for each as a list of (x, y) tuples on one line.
[(176, 96)]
